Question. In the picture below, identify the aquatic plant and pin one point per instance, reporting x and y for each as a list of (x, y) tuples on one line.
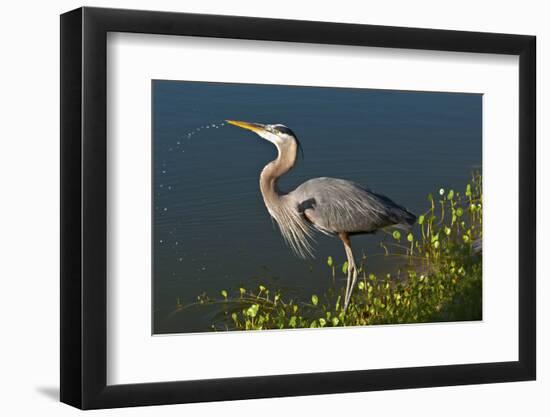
[(441, 281)]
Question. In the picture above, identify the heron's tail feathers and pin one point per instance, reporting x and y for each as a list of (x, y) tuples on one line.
[(403, 218), (408, 219)]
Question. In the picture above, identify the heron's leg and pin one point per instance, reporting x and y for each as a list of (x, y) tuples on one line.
[(348, 281), (352, 269), (352, 273), (345, 240)]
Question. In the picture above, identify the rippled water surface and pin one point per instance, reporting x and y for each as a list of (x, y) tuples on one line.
[(211, 230)]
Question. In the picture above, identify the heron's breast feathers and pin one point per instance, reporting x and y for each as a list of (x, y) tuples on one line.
[(296, 230)]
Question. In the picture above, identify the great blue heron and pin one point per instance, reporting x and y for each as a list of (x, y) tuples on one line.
[(328, 205)]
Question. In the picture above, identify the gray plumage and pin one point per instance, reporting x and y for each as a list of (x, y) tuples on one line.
[(329, 205), (334, 205)]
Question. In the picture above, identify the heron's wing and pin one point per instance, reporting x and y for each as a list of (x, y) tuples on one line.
[(335, 205)]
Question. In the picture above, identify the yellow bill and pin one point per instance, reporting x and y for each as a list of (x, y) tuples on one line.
[(255, 127)]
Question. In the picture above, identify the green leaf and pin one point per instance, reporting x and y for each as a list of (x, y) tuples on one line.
[(345, 267), (314, 299), (242, 291), (396, 234), (224, 294), (421, 219), (459, 212), (450, 195), (335, 321), (468, 190), (410, 237), (361, 285), (330, 261), (252, 310), (322, 322)]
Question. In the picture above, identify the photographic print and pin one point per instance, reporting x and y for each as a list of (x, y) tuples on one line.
[(291, 207)]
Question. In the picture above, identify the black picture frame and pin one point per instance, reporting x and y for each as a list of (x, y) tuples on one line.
[(84, 207)]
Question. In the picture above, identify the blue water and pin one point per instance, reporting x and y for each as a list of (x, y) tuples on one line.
[(211, 230)]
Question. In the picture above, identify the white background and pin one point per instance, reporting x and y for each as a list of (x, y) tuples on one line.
[(29, 211), (134, 356)]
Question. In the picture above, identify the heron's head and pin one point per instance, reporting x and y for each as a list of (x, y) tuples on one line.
[(280, 135)]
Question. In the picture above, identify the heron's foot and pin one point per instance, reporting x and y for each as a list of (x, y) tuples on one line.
[(352, 276)]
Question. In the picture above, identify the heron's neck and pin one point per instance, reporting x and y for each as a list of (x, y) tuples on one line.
[(274, 170)]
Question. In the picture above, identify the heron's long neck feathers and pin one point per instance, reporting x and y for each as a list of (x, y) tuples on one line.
[(295, 229)]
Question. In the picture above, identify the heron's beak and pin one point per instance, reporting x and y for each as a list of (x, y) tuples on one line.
[(255, 127)]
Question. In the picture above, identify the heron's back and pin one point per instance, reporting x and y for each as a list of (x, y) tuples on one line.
[(334, 206)]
